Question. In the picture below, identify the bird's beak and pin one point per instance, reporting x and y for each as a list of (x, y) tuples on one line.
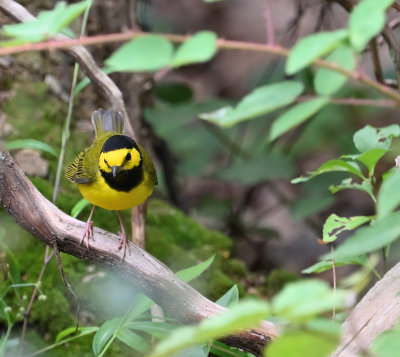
[(115, 170)]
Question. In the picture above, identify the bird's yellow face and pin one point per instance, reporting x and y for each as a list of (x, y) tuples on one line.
[(120, 154), (119, 160)]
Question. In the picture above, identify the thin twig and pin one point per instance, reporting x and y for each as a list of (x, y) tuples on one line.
[(47, 257), (385, 103), (66, 282), (334, 279), (224, 139), (391, 39), (396, 6), (376, 60), (269, 23)]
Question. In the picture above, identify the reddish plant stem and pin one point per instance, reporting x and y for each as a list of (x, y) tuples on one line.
[(385, 103), (222, 44), (269, 23)]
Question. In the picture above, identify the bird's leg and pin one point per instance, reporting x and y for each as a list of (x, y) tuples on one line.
[(123, 243), (88, 229)]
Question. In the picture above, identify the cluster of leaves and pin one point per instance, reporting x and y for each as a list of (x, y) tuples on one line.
[(382, 230), (46, 25), (298, 307), (340, 49)]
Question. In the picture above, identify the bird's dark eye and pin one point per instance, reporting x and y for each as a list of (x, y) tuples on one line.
[(105, 161), (128, 157)]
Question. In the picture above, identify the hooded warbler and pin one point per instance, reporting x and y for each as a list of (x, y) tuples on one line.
[(114, 173)]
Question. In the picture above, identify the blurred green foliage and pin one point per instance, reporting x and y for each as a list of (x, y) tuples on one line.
[(229, 148)]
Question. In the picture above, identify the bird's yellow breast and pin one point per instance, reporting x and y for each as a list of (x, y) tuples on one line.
[(99, 193)]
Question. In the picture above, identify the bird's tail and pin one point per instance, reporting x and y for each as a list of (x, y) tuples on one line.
[(110, 120)]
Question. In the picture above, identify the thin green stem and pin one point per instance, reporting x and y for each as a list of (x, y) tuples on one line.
[(66, 131), (333, 279), (4, 338), (384, 259)]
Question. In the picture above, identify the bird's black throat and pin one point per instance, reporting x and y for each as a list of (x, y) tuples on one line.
[(125, 180)]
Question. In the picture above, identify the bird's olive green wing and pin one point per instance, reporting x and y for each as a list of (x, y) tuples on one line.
[(148, 166), (83, 169)]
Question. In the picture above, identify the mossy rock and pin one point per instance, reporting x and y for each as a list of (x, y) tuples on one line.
[(276, 280), (181, 242)]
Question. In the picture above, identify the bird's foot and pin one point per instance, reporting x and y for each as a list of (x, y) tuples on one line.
[(123, 244), (88, 234)]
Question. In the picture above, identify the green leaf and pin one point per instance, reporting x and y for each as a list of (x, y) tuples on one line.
[(311, 204), (201, 47), (241, 316), (369, 158), (332, 166), (258, 168), (141, 304), (144, 53), (301, 300), (327, 264), (193, 272), (369, 137), (301, 343), (387, 344), (104, 333), (175, 93), (348, 183), (325, 326), (328, 82), (195, 351), (222, 350), (30, 144), (314, 46), (335, 225), (47, 24), (82, 331), (14, 269), (366, 21), (295, 116), (112, 328), (231, 297), (79, 206), (368, 239), (259, 102), (389, 195), (156, 329), (133, 340)]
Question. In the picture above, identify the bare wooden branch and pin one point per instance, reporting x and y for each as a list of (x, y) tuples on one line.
[(46, 222), (378, 311)]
